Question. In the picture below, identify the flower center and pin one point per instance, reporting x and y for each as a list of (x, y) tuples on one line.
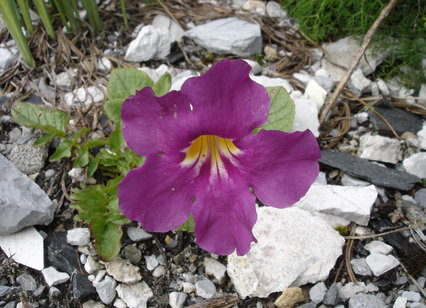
[(211, 147)]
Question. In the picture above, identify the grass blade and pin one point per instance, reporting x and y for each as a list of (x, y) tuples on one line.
[(44, 16), (92, 14), (10, 16), (25, 11), (123, 11)]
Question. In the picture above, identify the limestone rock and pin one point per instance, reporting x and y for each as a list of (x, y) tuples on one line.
[(306, 116), (78, 236), (29, 159), (379, 148), (135, 295), (84, 98), (53, 277), (175, 30), (215, 269), (289, 298), (151, 43), (294, 248), (22, 202), (123, 271), (272, 82), (416, 164), (350, 202), (228, 36), (380, 263)]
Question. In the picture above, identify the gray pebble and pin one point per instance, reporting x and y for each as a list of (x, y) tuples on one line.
[(49, 173), (27, 282), (331, 296), (362, 300), (205, 288)]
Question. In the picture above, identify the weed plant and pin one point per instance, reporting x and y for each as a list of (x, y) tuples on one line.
[(403, 31)]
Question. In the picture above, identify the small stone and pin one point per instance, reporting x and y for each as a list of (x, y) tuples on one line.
[(315, 92), (188, 287), (27, 282), (151, 262), (132, 253), (119, 303), (135, 295), (362, 300), (271, 53), (357, 83), (255, 6), (104, 65), (332, 295), (205, 288), (62, 255), (137, 234), (380, 263), (416, 164), (64, 79), (411, 296), (420, 197), (53, 277), (360, 267), (123, 271), (39, 291), (306, 116), (106, 290), (177, 299), (84, 97), (175, 30), (379, 148), (4, 290), (54, 292), (91, 265), (274, 10), (81, 286), (49, 173), (378, 247), (78, 236), (400, 302), (159, 271), (317, 292), (27, 158), (216, 269), (93, 304), (290, 297), (361, 117), (272, 82)]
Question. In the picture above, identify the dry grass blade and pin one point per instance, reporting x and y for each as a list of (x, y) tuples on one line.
[(348, 255), (225, 300)]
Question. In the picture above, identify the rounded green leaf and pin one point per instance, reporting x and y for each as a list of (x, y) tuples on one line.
[(107, 238)]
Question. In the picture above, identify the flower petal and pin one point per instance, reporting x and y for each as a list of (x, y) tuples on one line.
[(159, 194), (226, 101), (224, 214), (154, 125), (279, 166)]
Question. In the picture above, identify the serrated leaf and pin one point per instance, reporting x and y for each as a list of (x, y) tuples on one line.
[(63, 150), (122, 83), (107, 238), (163, 85), (281, 113), (188, 226), (35, 116), (82, 157)]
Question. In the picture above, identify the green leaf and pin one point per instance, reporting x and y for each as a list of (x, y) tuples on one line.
[(79, 133), (93, 166), (63, 150), (35, 116), (82, 157), (281, 113), (44, 139), (122, 83), (23, 5), (116, 140), (163, 85), (94, 142), (107, 238), (188, 226), (45, 18)]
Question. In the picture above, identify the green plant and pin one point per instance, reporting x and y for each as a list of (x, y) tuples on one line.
[(402, 32)]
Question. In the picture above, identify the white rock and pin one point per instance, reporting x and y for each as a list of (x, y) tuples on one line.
[(294, 248), (255, 6), (6, 57), (350, 289), (303, 77), (342, 52), (92, 304), (99, 276), (77, 174), (228, 36), (106, 290), (383, 87), (63, 80), (155, 73), (274, 10), (91, 265), (135, 295), (137, 234), (151, 43), (180, 78), (317, 292), (84, 97), (104, 65), (122, 270), (380, 263), (151, 262), (159, 271), (188, 287), (256, 69), (215, 269), (177, 299), (378, 247), (412, 296), (422, 94), (316, 92), (306, 116), (398, 90), (350, 202), (416, 164), (348, 180), (119, 303), (272, 82), (384, 149), (205, 288), (400, 302), (361, 117), (17, 246), (175, 30), (321, 178), (53, 277), (358, 84), (78, 236), (421, 135)]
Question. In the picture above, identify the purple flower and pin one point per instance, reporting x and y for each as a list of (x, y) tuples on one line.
[(202, 158)]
